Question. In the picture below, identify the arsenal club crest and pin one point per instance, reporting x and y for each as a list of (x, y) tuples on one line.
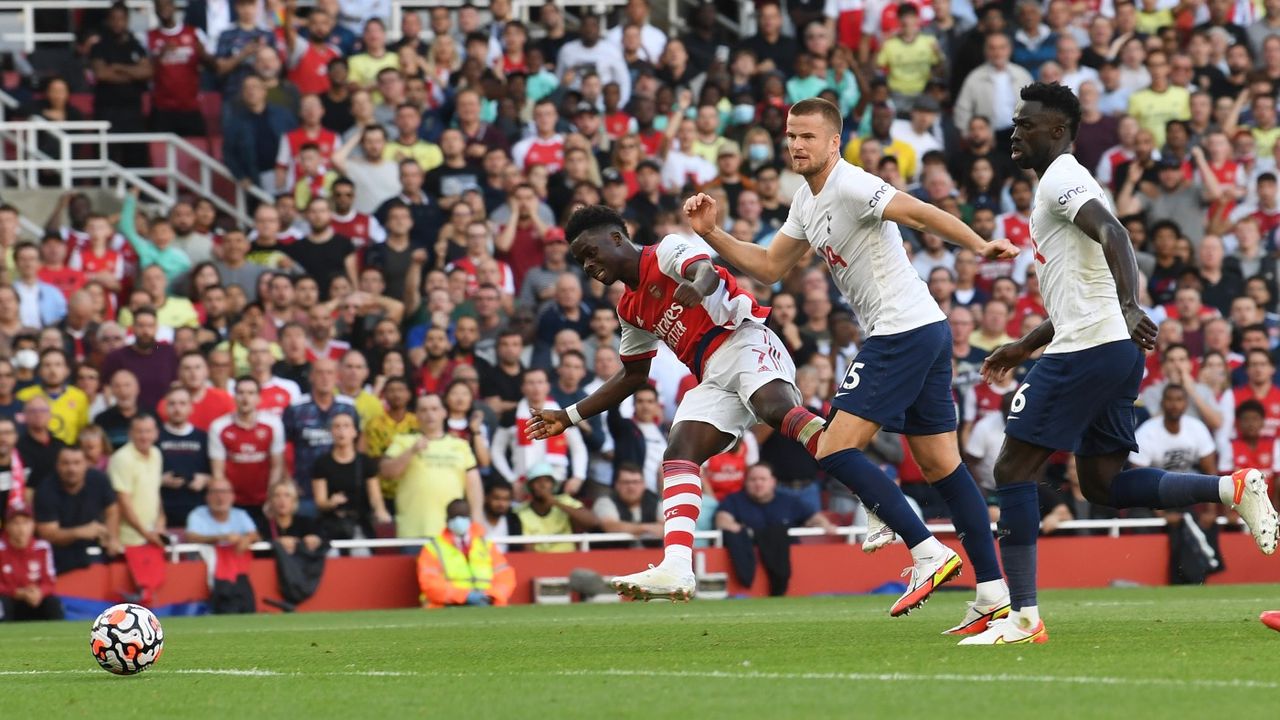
[(656, 292)]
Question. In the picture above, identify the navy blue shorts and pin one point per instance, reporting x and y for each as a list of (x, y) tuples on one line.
[(1080, 401), (902, 382)]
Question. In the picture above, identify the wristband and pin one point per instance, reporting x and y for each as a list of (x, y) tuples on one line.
[(574, 416)]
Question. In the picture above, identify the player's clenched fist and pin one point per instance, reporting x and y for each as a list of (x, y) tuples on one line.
[(547, 423), (687, 294), (1000, 249), (701, 209)]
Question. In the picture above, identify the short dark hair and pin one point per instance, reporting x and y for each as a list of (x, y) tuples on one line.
[(592, 217), (497, 483), (1250, 406), (1058, 98), (818, 106), (628, 467)]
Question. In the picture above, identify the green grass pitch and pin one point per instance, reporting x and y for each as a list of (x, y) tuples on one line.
[(1134, 654)]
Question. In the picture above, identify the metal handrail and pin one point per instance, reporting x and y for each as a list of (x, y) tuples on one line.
[(584, 541), (96, 134)]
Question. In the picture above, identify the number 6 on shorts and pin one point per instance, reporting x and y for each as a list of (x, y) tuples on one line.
[(1019, 399), (852, 380)]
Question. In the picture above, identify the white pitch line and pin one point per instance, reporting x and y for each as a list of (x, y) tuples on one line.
[(844, 677)]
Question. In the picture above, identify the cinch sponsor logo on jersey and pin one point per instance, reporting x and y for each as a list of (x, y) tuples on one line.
[(875, 199), (1064, 197), (669, 328)]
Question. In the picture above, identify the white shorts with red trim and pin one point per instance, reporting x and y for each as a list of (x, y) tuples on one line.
[(752, 357)]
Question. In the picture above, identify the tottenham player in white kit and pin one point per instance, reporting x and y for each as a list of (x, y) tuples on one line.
[(1080, 394), (901, 378)]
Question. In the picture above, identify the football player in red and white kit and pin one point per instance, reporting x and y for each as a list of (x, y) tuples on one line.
[(674, 295)]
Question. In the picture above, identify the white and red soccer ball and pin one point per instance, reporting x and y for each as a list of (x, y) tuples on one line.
[(126, 639)]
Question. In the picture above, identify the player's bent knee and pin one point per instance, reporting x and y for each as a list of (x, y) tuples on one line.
[(846, 432)]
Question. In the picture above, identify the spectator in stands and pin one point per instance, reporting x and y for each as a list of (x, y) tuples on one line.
[(758, 518), (230, 531), (121, 69), (75, 510), (37, 447), (344, 483), (568, 457), (307, 420), (153, 364), (631, 507), (68, 405), (992, 88), (638, 440), (253, 131), (500, 521), (177, 56), (237, 47), (376, 179), (184, 449), (27, 572), (40, 304), (246, 449), (461, 566), (136, 471), (430, 467), (1173, 441), (550, 513)]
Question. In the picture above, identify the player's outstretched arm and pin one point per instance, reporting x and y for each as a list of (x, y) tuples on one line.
[(1098, 222), (905, 209), (763, 265), (549, 423)]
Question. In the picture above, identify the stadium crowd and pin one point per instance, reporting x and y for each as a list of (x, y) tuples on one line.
[(376, 339)]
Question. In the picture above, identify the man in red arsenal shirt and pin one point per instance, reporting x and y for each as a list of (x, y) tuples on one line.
[(1016, 226), (53, 266), (275, 393), (1260, 370), (246, 448), (546, 147), (177, 52), (208, 403), (309, 132), (26, 569), (675, 296), (1252, 449), (309, 59), (364, 230), (320, 340)]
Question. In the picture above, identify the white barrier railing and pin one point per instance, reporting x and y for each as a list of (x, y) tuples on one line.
[(584, 541), (29, 162)]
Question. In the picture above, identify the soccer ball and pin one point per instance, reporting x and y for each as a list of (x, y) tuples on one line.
[(126, 639)]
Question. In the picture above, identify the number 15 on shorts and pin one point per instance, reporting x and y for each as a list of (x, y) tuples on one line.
[(851, 379)]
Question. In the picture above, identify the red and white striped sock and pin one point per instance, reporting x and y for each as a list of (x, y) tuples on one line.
[(681, 502), (804, 427)]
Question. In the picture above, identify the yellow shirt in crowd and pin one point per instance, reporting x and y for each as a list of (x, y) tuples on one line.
[(68, 411), (1153, 110), (908, 64), (435, 477), (556, 522), (139, 476)]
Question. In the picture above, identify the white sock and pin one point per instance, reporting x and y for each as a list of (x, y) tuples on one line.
[(929, 547), (992, 591), (1227, 490), (1028, 617)]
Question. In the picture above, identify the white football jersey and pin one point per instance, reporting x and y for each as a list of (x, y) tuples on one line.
[(1076, 283), (864, 253)]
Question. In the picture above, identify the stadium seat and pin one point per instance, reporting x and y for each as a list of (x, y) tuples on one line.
[(211, 108), (82, 102)]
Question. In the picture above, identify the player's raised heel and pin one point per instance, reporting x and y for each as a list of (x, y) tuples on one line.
[(926, 576), (878, 534), (980, 617), (1251, 501), (656, 582)]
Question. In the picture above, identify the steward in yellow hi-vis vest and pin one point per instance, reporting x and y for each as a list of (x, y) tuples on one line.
[(460, 566)]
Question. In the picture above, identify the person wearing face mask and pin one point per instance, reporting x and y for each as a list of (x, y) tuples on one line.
[(460, 566)]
